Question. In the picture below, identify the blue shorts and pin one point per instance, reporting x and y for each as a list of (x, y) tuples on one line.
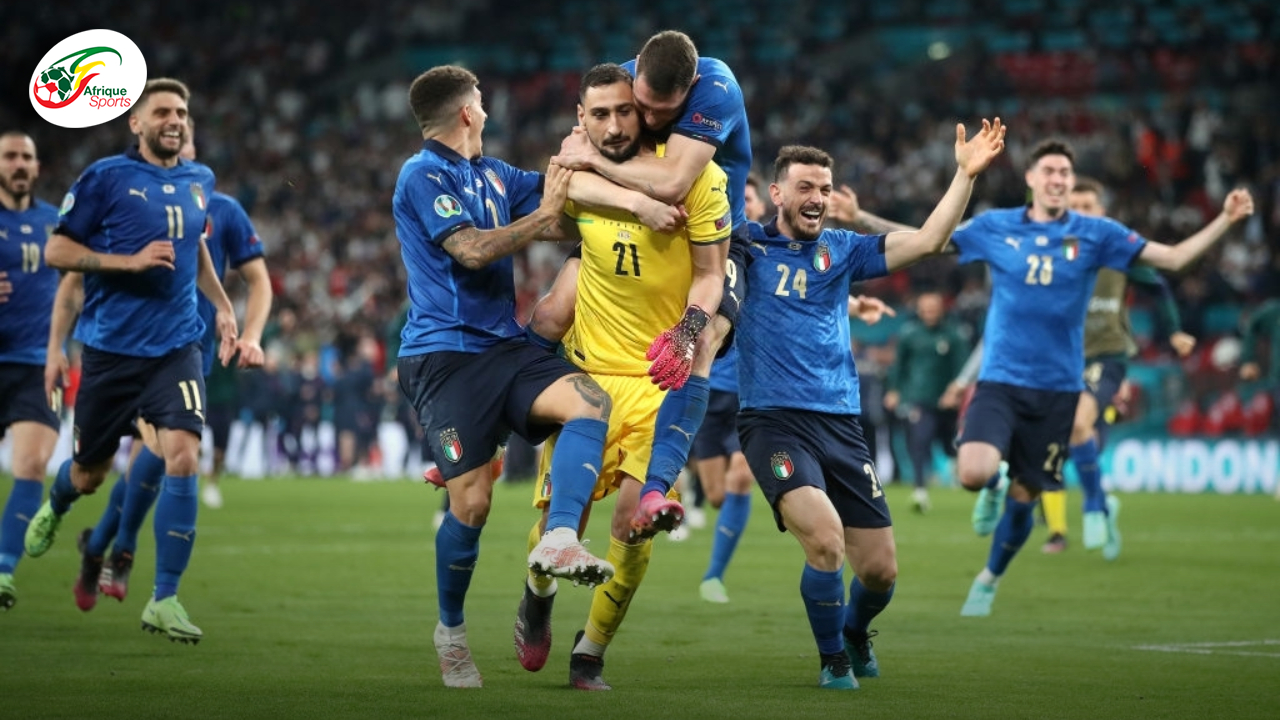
[(718, 434), (469, 403), (1102, 379), (22, 390), (167, 391), (788, 449), (1031, 428)]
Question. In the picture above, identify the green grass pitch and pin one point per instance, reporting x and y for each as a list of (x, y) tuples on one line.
[(317, 601)]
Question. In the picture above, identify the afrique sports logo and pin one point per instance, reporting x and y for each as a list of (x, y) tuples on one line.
[(87, 79)]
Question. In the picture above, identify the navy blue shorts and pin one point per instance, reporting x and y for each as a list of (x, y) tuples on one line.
[(468, 403), (22, 397), (1031, 428), (167, 391), (718, 434), (788, 449), (1102, 379)]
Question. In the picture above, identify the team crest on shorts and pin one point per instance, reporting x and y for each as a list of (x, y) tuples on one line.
[(822, 258), (451, 445), (782, 465)]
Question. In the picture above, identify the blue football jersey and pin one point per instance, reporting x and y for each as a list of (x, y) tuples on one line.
[(724, 373), (24, 319), (716, 113), (438, 193), (1041, 279), (232, 241), (793, 333), (120, 205)]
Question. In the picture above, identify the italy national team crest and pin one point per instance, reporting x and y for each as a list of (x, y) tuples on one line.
[(822, 258), (782, 466), (451, 445), (495, 181), (197, 194), (1071, 247)]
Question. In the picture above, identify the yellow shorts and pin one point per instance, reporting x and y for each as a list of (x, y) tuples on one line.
[(629, 442)]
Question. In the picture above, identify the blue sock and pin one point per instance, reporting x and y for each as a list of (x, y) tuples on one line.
[(24, 501), (1011, 534), (105, 531), (575, 463), (1085, 456), (545, 343), (864, 606), (457, 549), (146, 475), (679, 417), (729, 526), (994, 482), (175, 532), (63, 493), (823, 594)]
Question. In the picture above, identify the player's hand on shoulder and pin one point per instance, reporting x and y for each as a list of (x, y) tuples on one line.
[(251, 354), (6, 287), (157, 253), (842, 206), (576, 150), (1238, 205), (660, 216), (973, 156)]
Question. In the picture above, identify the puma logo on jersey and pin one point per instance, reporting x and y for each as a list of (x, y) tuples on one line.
[(1014, 243), (722, 85), (140, 193), (436, 178)]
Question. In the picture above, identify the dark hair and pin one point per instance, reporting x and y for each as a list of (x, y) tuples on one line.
[(437, 93), (159, 85), (753, 179), (602, 75), (799, 155), (1051, 147), (1087, 184), (668, 62)]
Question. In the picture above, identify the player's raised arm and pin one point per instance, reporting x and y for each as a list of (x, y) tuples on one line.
[(474, 248), (972, 157), (667, 178), (846, 212), (1174, 258)]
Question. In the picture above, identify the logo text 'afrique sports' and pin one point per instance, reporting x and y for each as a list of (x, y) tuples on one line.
[(87, 79)]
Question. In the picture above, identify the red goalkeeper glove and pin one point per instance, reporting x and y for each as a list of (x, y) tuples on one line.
[(672, 351)]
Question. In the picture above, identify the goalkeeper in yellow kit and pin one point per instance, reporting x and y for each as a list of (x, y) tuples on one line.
[(637, 289)]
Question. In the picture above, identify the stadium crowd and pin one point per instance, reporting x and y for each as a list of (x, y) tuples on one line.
[(309, 136)]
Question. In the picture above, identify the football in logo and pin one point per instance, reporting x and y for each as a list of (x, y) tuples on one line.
[(88, 79), (447, 206)]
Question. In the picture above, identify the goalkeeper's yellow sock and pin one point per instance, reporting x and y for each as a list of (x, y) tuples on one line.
[(1055, 511), (610, 601), (542, 585)]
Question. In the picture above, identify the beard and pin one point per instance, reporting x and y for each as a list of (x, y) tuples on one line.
[(620, 153), (7, 184), (793, 218), (155, 145)]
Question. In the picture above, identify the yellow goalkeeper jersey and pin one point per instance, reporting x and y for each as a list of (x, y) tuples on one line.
[(634, 282)]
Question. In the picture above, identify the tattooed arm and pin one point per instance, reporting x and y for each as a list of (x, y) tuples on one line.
[(66, 254), (474, 248)]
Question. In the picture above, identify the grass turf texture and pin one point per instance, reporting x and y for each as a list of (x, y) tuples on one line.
[(317, 600)]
